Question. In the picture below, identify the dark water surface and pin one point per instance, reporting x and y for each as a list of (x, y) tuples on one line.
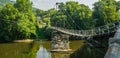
[(41, 49)]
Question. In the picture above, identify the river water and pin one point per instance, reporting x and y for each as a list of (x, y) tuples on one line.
[(41, 49)]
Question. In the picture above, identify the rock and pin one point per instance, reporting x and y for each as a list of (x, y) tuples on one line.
[(114, 46)]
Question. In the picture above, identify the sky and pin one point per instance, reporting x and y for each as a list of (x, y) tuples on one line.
[(48, 4)]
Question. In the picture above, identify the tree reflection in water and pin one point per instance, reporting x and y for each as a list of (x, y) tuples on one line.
[(60, 55)]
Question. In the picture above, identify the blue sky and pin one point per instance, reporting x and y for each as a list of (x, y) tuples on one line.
[(47, 4)]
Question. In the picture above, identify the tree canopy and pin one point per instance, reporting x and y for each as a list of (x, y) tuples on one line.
[(72, 15), (105, 12), (19, 21)]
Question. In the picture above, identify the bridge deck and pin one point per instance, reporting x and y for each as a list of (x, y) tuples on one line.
[(92, 32)]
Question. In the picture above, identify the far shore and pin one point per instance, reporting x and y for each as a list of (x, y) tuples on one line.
[(25, 41)]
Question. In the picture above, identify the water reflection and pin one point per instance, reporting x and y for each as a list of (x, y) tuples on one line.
[(43, 53), (39, 49), (44, 50), (60, 55)]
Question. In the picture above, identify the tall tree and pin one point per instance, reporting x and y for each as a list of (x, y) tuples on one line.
[(104, 12), (23, 5), (27, 22), (8, 20), (118, 9), (74, 15), (83, 17), (118, 5), (17, 19)]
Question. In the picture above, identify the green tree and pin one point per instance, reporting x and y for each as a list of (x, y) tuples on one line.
[(27, 21), (104, 12), (17, 21), (8, 19), (83, 17), (118, 5), (23, 5), (59, 20), (45, 16), (118, 9), (73, 15), (96, 13)]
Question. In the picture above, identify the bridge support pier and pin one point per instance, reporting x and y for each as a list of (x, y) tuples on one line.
[(114, 46), (60, 42)]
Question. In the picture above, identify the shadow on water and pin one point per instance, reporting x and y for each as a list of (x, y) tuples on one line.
[(88, 52)]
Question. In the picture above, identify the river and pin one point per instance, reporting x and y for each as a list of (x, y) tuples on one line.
[(41, 49)]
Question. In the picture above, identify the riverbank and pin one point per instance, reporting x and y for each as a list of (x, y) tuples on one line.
[(25, 41)]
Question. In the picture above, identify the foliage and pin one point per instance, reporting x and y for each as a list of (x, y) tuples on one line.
[(17, 21), (58, 19), (25, 26), (118, 5), (8, 20), (73, 16), (45, 16), (118, 9), (3, 2), (34, 47), (44, 22), (105, 12), (27, 18), (23, 5)]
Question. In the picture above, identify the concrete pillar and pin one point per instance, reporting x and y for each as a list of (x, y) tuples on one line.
[(114, 46)]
